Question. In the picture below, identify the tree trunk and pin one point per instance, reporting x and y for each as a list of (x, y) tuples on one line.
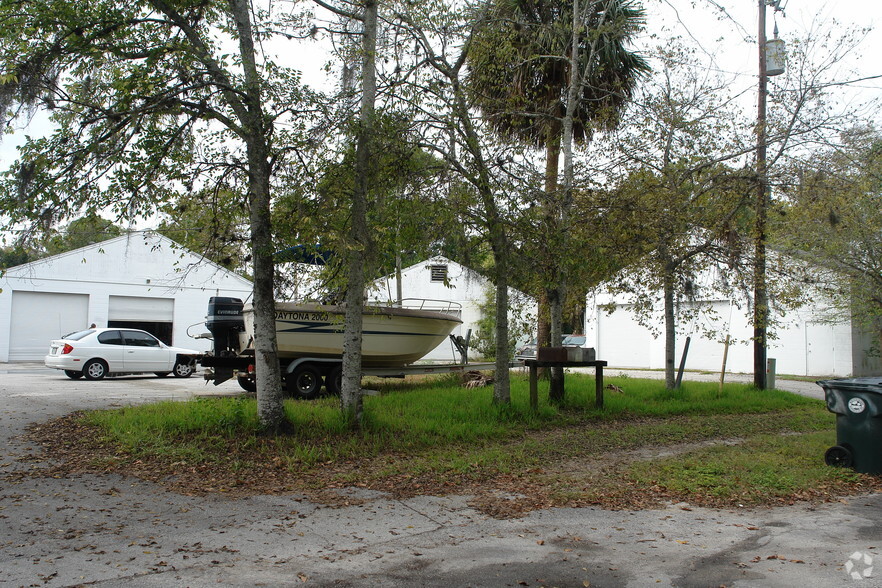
[(670, 330), (543, 322), (350, 390), (496, 230), (548, 333), (360, 252), (266, 362), (564, 139), (555, 303), (552, 169), (270, 407), (501, 383), (552, 162)]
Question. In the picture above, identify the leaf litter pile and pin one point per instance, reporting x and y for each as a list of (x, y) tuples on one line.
[(582, 478)]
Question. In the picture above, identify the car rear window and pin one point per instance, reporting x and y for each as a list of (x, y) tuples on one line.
[(111, 338), (79, 335)]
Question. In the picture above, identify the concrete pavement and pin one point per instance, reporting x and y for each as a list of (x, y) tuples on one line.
[(113, 531)]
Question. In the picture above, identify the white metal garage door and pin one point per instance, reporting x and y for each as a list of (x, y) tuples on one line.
[(140, 308), (707, 331), (621, 341), (39, 317)]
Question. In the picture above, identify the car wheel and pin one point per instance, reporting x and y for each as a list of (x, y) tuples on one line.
[(304, 382), (162, 374), (334, 380), (73, 375), (95, 369), (183, 370), (247, 384)]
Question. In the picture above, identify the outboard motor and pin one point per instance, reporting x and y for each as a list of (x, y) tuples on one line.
[(225, 322)]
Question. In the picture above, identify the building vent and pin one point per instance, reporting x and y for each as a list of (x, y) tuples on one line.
[(439, 273)]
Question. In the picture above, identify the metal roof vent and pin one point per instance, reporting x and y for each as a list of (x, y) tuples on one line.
[(439, 273)]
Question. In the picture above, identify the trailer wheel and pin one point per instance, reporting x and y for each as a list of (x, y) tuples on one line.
[(247, 384), (334, 380), (304, 382)]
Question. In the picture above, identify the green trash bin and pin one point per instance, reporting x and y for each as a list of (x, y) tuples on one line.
[(857, 403)]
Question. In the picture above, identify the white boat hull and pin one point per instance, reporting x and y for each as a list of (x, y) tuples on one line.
[(391, 336)]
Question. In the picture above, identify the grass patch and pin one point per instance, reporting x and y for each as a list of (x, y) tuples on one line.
[(764, 468), (193, 430), (648, 444)]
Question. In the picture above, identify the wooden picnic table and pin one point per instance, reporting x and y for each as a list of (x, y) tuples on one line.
[(535, 364)]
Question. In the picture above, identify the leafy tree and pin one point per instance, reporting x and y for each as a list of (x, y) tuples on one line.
[(80, 233), (406, 209), (484, 338), (520, 70), (550, 74), (483, 173), (606, 244), (16, 255), (361, 244), (210, 223), (687, 227), (680, 202), (148, 98), (832, 219)]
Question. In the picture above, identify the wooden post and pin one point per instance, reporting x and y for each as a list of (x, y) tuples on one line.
[(598, 385), (682, 363), (534, 391), (725, 357)]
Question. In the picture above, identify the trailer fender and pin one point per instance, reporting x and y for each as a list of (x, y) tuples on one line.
[(289, 369)]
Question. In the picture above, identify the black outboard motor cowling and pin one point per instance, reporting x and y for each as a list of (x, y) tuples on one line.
[(225, 322)]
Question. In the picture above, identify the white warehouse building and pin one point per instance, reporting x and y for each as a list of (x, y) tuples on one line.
[(139, 280), (804, 342)]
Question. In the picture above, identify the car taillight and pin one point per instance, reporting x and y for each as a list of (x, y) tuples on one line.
[(251, 368), (66, 349)]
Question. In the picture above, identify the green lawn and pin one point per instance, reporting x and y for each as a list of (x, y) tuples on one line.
[(646, 447)]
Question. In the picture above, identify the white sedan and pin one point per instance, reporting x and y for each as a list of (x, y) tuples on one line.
[(95, 353)]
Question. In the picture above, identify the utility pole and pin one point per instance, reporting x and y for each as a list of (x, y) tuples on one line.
[(760, 295)]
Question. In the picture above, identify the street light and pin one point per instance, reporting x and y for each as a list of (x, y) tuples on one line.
[(776, 55)]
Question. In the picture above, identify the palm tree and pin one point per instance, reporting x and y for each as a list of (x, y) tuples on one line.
[(521, 74)]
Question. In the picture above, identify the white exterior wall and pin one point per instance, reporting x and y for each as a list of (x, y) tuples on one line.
[(141, 264), (804, 344), (466, 287)]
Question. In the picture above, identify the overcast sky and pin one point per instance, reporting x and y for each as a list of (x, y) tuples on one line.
[(726, 29)]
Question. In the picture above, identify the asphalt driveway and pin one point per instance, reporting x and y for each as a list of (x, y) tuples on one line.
[(113, 531)]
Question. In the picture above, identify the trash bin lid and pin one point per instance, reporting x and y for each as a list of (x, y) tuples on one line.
[(872, 384)]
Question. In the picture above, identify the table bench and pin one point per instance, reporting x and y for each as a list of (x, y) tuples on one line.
[(535, 364)]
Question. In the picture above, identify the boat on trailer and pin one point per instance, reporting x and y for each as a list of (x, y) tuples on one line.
[(309, 340), (392, 336)]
